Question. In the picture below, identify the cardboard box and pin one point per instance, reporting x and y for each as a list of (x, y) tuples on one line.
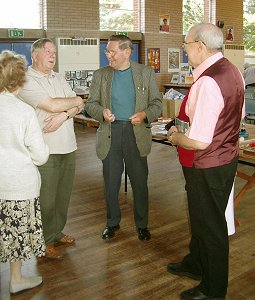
[(171, 108)]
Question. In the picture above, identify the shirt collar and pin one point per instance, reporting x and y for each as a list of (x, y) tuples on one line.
[(206, 64), (38, 74)]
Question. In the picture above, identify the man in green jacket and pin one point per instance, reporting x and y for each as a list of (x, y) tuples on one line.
[(125, 99)]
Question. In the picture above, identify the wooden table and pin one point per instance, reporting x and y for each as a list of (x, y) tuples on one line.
[(248, 160), (160, 137), (90, 122)]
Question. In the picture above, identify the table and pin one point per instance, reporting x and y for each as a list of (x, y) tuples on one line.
[(159, 136), (90, 122), (248, 160)]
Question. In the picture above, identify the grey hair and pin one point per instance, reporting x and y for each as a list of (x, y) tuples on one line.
[(39, 44), (209, 34), (124, 41)]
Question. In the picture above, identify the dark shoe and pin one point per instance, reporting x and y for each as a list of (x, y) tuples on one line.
[(196, 294), (109, 232), (180, 270), (143, 234)]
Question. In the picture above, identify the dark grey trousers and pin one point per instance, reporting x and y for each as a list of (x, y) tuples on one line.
[(124, 150)]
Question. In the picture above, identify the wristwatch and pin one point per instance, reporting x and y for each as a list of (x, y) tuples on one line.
[(67, 114)]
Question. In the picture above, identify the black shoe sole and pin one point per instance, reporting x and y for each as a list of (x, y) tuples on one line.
[(187, 274)]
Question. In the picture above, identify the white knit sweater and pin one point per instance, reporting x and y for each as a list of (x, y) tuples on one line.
[(22, 149)]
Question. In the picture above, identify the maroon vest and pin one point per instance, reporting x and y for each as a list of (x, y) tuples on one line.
[(224, 147)]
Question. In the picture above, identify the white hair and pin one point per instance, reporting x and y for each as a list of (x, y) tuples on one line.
[(209, 34)]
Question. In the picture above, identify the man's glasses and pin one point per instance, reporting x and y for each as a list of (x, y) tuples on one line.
[(109, 52), (184, 44)]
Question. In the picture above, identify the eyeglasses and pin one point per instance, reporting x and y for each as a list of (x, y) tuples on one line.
[(110, 52), (184, 44)]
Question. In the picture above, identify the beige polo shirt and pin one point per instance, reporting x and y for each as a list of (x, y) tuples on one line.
[(40, 87)]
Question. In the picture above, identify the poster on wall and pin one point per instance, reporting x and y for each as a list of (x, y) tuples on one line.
[(229, 33), (173, 59), (153, 59), (164, 23)]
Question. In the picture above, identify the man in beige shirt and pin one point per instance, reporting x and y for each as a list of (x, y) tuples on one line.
[(55, 104)]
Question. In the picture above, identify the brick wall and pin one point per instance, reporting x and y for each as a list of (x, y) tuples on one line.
[(72, 18), (81, 18), (78, 18)]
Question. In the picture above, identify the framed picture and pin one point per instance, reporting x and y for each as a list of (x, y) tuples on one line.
[(78, 74), (175, 78), (164, 20), (70, 82), (67, 75), (173, 59), (184, 67), (83, 74), (73, 74), (230, 34), (182, 78), (153, 59), (189, 79)]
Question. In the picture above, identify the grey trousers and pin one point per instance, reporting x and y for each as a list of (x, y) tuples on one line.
[(124, 150), (57, 181)]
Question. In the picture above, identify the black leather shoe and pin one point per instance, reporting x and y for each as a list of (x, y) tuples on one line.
[(196, 294), (179, 269), (143, 234), (109, 232)]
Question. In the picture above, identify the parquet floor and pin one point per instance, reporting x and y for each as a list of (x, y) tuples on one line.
[(126, 268)]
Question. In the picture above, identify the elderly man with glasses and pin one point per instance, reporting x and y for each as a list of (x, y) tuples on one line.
[(125, 99), (208, 152)]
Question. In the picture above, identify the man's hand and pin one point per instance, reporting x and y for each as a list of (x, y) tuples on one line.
[(137, 118), (54, 122), (80, 108), (170, 134), (108, 116)]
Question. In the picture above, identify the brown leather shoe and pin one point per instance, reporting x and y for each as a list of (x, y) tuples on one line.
[(52, 252), (66, 240)]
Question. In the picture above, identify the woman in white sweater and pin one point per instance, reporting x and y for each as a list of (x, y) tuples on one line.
[(22, 149)]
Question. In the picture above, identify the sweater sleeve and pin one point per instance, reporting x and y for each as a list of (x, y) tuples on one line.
[(39, 151)]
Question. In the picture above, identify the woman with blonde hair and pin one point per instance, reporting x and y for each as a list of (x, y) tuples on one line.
[(22, 149)]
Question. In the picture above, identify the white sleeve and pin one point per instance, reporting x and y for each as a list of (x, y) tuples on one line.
[(34, 141)]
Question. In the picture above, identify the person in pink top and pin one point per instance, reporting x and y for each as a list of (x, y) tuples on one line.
[(208, 152)]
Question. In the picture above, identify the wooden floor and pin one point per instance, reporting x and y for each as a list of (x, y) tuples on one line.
[(126, 268)]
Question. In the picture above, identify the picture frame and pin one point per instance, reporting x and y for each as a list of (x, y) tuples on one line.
[(184, 67), (153, 59), (173, 60), (175, 78), (70, 82), (189, 79), (230, 33), (164, 23), (182, 77), (73, 75)]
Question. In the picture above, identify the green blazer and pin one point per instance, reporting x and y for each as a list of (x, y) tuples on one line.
[(148, 99)]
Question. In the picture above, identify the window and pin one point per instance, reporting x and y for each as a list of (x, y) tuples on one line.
[(249, 28), (21, 14), (118, 15), (193, 13)]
